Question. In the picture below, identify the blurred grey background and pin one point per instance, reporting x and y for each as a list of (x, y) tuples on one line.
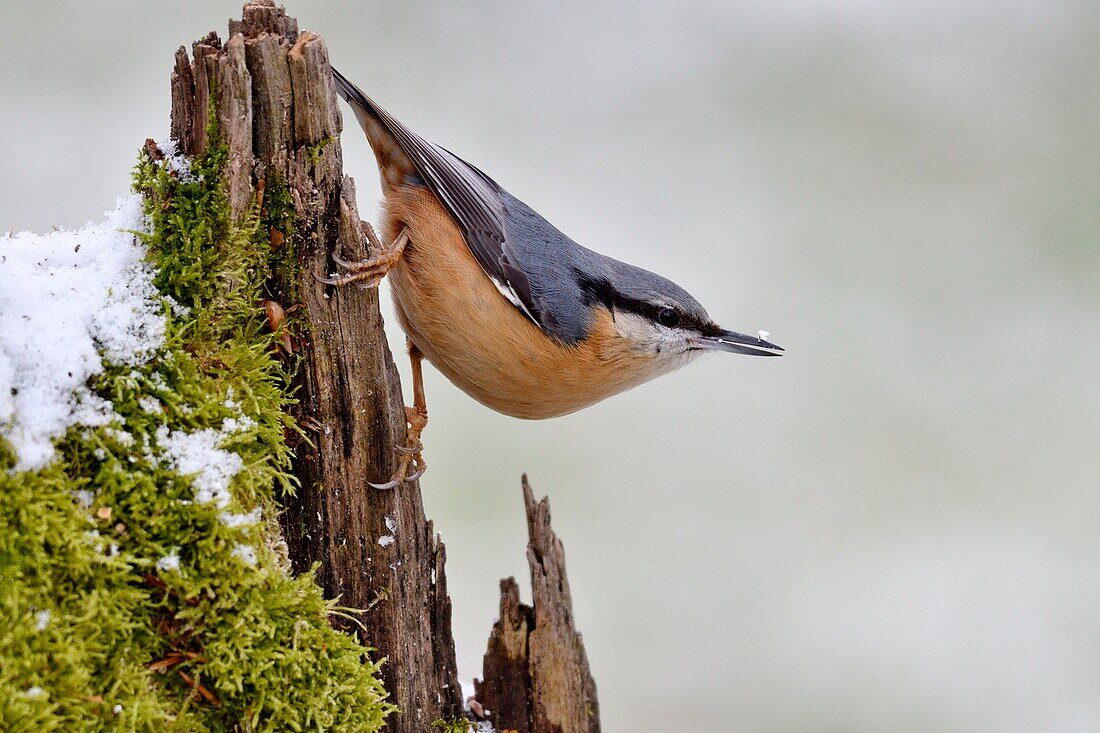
[(893, 528)]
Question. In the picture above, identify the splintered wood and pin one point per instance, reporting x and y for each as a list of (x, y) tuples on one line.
[(537, 678)]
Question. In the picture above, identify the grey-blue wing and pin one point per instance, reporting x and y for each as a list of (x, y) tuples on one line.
[(475, 201)]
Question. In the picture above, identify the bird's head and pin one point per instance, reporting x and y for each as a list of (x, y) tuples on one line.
[(661, 320)]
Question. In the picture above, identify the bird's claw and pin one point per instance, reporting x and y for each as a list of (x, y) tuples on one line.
[(372, 279), (346, 264), (410, 456), (370, 271), (402, 476)]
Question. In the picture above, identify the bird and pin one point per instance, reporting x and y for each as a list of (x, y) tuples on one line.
[(511, 310)]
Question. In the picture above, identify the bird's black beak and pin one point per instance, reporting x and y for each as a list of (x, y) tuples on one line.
[(739, 343)]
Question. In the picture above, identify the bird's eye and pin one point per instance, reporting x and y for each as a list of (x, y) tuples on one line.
[(668, 318)]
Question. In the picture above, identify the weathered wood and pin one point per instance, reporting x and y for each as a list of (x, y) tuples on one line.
[(272, 98), (205, 52), (183, 97), (536, 674), (235, 120), (504, 690), (277, 111), (259, 18)]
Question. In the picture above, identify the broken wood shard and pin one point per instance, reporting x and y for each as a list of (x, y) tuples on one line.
[(536, 673)]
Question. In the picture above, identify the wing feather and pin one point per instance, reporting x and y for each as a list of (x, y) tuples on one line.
[(474, 200)]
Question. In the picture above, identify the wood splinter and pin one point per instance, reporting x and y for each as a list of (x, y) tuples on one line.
[(536, 673)]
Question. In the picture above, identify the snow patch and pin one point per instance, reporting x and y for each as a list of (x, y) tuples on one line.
[(467, 693), (198, 455), (150, 405), (176, 161), (68, 302), (231, 520), (245, 553), (388, 539), (41, 620), (170, 561)]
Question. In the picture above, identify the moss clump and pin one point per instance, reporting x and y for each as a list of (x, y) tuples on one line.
[(314, 151), (127, 602), (277, 220)]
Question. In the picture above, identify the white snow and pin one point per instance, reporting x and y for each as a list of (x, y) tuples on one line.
[(68, 301), (245, 553), (764, 334), (237, 424), (176, 161), (388, 539), (117, 709), (35, 691), (41, 620), (197, 454), (170, 561), (150, 405), (231, 520), (467, 692)]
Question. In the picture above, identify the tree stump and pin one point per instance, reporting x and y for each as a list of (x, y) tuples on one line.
[(271, 91)]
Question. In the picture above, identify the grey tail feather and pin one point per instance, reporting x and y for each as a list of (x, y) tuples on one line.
[(352, 94)]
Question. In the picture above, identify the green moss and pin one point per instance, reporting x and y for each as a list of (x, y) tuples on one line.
[(453, 725), (314, 151), (277, 221), (95, 633)]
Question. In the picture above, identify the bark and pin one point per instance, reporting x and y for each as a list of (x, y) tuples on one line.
[(272, 92), (537, 678)]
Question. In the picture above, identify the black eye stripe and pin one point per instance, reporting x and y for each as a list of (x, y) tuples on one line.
[(600, 291)]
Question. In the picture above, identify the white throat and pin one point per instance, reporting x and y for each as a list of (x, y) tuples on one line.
[(666, 347)]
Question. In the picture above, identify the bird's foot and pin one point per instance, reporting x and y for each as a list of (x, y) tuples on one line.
[(369, 272), (410, 461)]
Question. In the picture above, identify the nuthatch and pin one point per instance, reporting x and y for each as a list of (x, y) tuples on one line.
[(516, 314)]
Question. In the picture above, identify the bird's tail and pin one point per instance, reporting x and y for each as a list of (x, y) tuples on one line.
[(352, 94), (383, 132)]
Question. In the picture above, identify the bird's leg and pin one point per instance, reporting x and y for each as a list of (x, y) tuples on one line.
[(369, 272), (416, 418)]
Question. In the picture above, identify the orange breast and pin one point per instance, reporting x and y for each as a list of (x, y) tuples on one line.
[(452, 311)]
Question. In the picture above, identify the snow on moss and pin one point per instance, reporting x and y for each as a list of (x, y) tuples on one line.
[(200, 456), (69, 300)]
